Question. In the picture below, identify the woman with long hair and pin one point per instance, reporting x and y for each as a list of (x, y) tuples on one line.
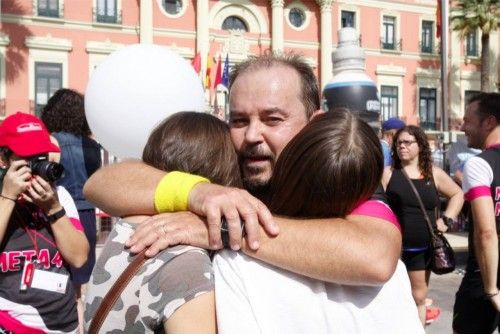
[(329, 169), (412, 156), (174, 291), (64, 117)]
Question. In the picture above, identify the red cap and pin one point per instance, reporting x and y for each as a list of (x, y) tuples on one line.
[(25, 135)]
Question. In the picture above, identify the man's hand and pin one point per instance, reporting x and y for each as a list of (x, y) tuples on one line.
[(169, 229), (213, 202)]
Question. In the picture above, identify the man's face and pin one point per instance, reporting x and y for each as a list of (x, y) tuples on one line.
[(389, 136), (473, 126), (266, 112)]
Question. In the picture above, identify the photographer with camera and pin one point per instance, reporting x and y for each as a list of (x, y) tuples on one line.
[(38, 238)]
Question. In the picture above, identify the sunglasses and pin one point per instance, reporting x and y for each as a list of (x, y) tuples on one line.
[(405, 142)]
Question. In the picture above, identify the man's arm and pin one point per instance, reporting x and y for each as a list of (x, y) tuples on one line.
[(478, 177), (124, 189), (359, 250), (486, 242), (362, 250), (128, 188)]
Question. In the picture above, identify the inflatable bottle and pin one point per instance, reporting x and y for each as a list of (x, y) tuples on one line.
[(351, 87)]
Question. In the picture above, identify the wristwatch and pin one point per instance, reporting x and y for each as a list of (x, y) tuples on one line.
[(447, 220), (56, 216)]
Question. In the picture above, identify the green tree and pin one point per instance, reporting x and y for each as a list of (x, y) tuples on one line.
[(469, 15)]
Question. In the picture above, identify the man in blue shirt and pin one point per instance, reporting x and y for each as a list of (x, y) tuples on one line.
[(389, 129)]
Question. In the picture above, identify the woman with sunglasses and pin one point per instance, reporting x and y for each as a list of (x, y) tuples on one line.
[(411, 155)]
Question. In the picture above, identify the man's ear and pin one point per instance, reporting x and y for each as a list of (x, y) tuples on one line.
[(316, 113), (491, 122)]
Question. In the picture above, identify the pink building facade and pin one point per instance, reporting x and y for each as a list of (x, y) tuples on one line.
[(49, 44)]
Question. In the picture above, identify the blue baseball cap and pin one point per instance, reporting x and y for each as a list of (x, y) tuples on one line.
[(393, 124)]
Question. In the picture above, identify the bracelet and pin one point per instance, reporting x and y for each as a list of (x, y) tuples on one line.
[(490, 295), (224, 232), (172, 192), (6, 197)]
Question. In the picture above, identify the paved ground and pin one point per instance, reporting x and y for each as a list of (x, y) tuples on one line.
[(442, 291)]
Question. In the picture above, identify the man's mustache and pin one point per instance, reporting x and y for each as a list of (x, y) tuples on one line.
[(256, 153)]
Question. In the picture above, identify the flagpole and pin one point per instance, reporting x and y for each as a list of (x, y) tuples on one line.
[(444, 66), (226, 106)]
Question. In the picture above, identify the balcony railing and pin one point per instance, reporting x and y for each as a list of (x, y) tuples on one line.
[(47, 11), (394, 46), (431, 49), (428, 125), (106, 18)]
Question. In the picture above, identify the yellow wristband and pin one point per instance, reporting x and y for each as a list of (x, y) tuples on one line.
[(172, 192)]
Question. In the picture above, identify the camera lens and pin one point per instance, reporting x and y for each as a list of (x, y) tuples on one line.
[(49, 171)]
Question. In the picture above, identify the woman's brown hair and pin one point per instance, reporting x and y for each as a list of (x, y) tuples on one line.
[(424, 154), (195, 143), (65, 112), (331, 166)]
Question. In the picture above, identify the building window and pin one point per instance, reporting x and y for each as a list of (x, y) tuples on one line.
[(348, 19), (49, 8), (388, 31), (471, 44), (173, 7), (297, 17), (48, 79), (427, 36), (427, 108), (389, 101), (468, 94), (234, 23), (106, 11)]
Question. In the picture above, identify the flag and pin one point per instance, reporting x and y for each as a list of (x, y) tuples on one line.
[(218, 74), (196, 63), (208, 72), (225, 74), (438, 19)]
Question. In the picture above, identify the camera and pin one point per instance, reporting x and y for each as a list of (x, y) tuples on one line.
[(48, 170)]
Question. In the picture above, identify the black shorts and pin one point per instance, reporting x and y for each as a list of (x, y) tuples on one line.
[(472, 313), (416, 260)]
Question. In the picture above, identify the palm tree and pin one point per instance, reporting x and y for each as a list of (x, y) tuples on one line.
[(469, 15)]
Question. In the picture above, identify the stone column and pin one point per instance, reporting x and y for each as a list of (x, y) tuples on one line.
[(326, 41), (202, 38), (455, 100), (146, 24), (277, 25)]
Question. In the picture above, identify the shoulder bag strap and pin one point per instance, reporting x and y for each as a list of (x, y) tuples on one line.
[(110, 298), (429, 224)]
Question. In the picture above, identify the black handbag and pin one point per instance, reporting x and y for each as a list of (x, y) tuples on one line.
[(442, 256)]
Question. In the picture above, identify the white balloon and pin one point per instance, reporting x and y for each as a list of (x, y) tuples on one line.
[(133, 90)]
